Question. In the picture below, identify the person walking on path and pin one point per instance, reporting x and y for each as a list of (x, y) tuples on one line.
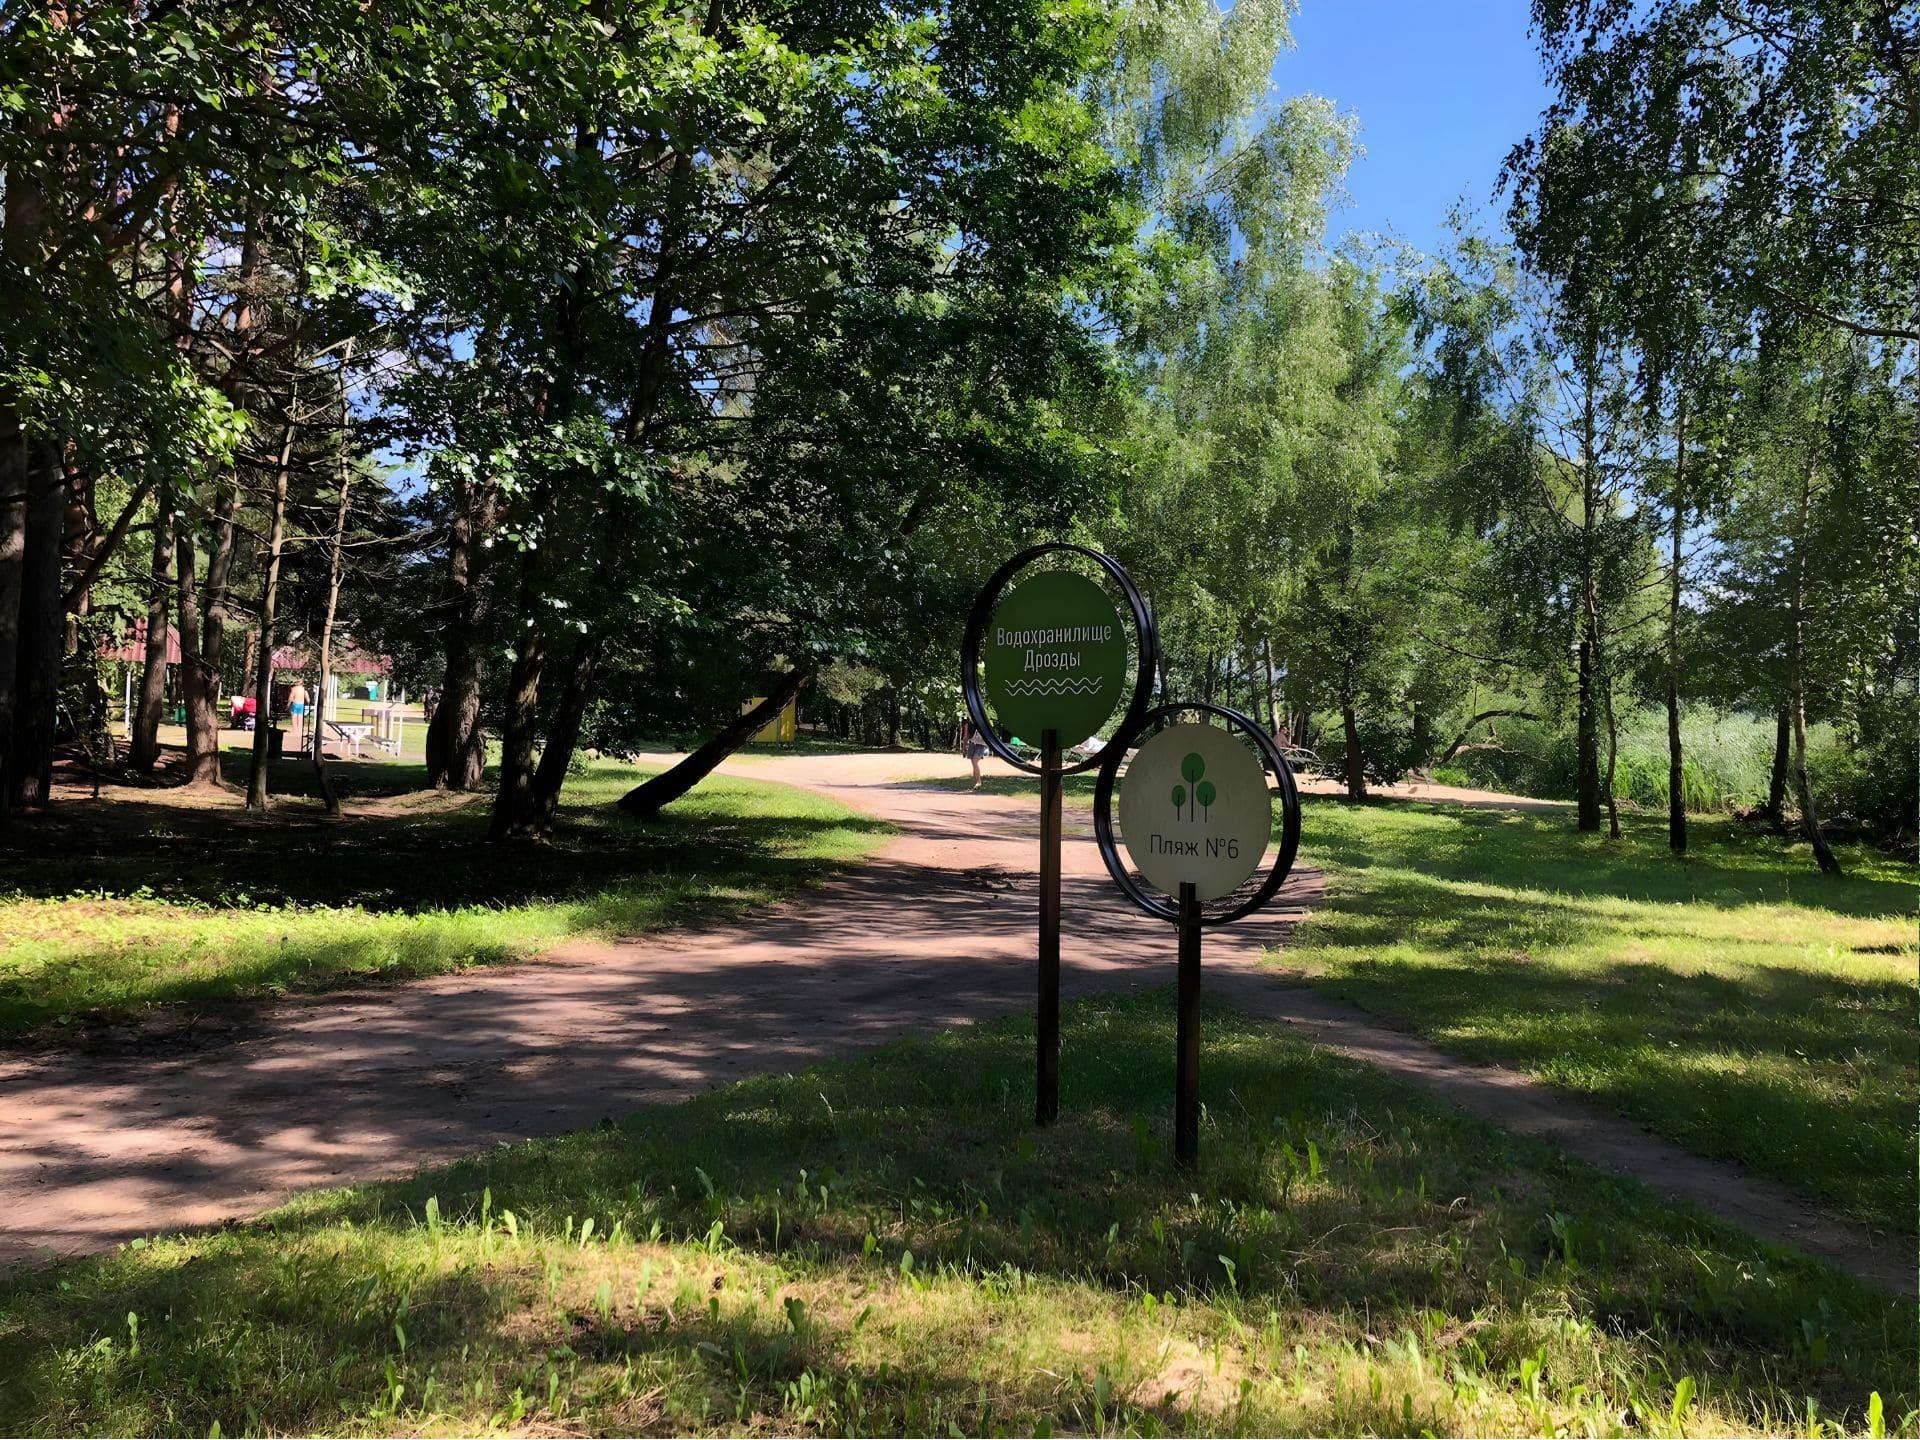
[(973, 747)]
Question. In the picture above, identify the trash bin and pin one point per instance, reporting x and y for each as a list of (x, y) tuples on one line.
[(276, 742)]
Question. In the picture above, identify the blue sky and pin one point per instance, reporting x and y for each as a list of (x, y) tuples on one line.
[(1442, 88)]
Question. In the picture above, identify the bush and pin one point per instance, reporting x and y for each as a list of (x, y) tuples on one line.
[(1386, 749), (1870, 782)]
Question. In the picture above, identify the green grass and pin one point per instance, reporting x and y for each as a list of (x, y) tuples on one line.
[(1736, 1001), (885, 1246), (144, 899)]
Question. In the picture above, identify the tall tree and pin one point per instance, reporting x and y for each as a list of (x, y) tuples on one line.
[(1551, 451)]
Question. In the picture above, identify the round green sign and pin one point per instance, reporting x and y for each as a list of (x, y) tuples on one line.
[(1194, 809), (1055, 657)]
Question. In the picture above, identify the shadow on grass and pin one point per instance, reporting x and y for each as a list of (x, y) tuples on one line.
[(1729, 864), (133, 901), (1593, 965), (405, 861), (885, 1245)]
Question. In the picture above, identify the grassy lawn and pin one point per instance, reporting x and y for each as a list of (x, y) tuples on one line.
[(885, 1246), (151, 898), (1737, 1001)]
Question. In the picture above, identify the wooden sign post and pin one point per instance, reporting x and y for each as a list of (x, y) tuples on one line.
[(1054, 650), (1196, 820)]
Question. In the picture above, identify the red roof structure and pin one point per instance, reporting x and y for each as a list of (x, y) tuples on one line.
[(133, 649), (348, 658)]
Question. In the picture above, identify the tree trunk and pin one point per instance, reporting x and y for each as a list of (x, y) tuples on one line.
[(318, 714), (649, 796), (1676, 769), (1613, 761), (1271, 712), (203, 680), (1823, 855), (153, 679), (269, 600), (513, 807), (203, 760), (1797, 675), (1588, 740), (1355, 757), (79, 531), (456, 744), (23, 241), (563, 734), (203, 709), (14, 483), (42, 641), (1777, 777)]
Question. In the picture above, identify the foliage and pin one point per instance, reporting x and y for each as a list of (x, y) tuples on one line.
[(1760, 159)]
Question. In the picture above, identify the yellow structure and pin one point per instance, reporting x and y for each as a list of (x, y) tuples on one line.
[(783, 729)]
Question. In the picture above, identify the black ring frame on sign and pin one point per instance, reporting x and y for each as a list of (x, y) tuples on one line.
[(1146, 671), (1276, 764)]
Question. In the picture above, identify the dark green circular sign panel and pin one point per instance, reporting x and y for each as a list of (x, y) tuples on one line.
[(1056, 658)]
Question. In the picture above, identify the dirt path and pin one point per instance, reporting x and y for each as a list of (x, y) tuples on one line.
[(936, 930)]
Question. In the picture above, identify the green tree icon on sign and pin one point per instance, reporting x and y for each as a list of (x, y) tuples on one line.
[(1191, 769), (1205, 793), (1179, 798)]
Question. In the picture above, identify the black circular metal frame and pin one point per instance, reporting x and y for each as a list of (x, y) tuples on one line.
[(1144, 631), (1276, 763)]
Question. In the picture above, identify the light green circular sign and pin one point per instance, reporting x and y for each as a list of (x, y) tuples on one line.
[(1194, 809), (1056, 658)]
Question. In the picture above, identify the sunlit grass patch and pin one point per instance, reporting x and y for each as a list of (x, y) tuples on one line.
[(1735, 1000), (140, 904), (886, 1246)]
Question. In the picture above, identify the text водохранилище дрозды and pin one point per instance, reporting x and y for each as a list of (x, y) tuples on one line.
[(1034, 657)]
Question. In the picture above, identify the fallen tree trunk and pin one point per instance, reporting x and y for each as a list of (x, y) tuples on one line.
[(1460, 741), (650, 796)]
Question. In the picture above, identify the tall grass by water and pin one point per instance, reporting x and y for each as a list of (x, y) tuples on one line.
[(1727, 757)]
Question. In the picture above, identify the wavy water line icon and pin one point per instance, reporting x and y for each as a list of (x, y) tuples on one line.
[(1055, 685)]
